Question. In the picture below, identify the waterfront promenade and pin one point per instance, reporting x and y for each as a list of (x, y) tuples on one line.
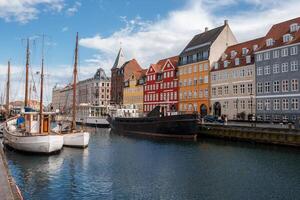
[(5, 187)]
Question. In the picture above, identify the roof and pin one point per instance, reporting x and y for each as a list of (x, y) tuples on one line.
[(238, 48), (139, 74), (120, 59), (129, 67), (161, 63), (278, 30), (203, 40)]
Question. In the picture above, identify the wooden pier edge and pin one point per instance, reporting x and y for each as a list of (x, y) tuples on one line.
[(259, 135)]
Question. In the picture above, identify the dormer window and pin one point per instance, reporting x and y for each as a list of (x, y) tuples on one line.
[(237, 61), (225, 63), (294, 27), (248, 59), (269, 42), (233, 54), (245, 51), (216, 65), (255, 47), (287, 37)]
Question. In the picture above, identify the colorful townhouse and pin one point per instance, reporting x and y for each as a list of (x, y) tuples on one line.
[(233, 82), (278, 74), (161, 87), (133, 93), (194, 67), (120, 72)]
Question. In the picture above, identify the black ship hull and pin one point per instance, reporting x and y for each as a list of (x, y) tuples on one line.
[(174, 127)]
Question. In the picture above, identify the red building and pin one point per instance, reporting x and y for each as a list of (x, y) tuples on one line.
[(161, 87)]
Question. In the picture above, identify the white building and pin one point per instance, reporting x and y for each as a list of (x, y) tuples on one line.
[(93, 91)]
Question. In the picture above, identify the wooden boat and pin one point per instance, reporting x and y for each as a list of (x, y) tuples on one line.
[(30, 139), (156, 124), (74, 137), (31, 130)]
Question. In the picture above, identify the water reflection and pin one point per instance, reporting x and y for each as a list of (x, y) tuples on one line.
[(118, 167)]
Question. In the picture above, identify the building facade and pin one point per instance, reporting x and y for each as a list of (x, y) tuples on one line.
[(161, 87), (93, 91), (194, 67), (120, 72), (134, 90), (278, 74), (233, 82)]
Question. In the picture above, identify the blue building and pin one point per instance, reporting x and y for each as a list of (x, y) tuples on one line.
[(278, 74)]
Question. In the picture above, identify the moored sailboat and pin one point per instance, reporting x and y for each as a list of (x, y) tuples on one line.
[(75, 137), (31, 131)]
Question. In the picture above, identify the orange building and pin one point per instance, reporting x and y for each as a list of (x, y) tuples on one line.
[(194, 67)]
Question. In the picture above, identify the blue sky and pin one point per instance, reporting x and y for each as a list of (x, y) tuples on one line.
[(148, 30)]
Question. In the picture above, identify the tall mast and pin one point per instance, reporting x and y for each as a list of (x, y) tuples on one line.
[(74, 85), (42, 85), (8, 88), (27, 74)]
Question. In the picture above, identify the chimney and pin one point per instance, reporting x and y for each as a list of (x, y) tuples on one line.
[(225, 22), (206, 29)]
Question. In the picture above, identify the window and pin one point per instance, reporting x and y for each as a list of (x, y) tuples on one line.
[(259, 105), (276, 86), (250, 88), (233, 54), (285, 86), (205, 79), (267, 87), (259, 57), (219, 91), (237, 61), (259, 87), (205, 54), (287, 37), (284, 52), (242, 88), (195, 93), (243, 104), (225, 63), (293, 27), (194, 57), (200, 67), (226, 89), (195, 81), (206, 93), (235, 89), (195, 68), (285, 67), (294, 85), (267, 56), (214, 91), (276, 68), (285, 104), (248, 59), (294, 65), (269, 42), (259, 71), (295, 104), (276, 54), (267, 104), (190, 70), (294, 50), (267, 70), (276, 104), (205, 67), (200, 94), (244, 51)]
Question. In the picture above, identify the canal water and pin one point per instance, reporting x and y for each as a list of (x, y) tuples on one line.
[(118, 167)]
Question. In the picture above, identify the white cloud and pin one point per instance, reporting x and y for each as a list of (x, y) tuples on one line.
[(72, 10), (150, 41), (25, 10), (64, 29)]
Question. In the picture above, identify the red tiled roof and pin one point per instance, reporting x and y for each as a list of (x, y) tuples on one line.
[(278, 30), (238, 48), (161, 63), (130, 67)]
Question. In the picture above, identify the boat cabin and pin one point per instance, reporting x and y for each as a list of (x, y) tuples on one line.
[(32, 122)]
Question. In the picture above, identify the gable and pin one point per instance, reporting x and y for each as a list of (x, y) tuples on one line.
[(168, 65)]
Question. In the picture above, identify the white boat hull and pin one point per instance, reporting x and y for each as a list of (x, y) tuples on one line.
[(77, 139), (37, 144)]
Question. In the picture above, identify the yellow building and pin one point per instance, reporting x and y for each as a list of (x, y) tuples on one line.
[(133, 91), (194, 67)]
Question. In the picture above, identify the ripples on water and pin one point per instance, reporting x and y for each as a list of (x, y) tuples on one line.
[(117, 167)]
